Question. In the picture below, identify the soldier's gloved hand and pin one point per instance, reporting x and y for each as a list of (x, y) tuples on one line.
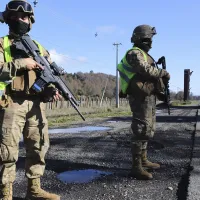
[(160, 86), (165, 80), (165, 74), (160, 96), (50, 93), (122, 95)]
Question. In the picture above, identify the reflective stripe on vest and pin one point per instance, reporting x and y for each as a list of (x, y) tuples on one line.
[(126, 71), (8, 58), (7, 52), (6, 47), (39, 47)]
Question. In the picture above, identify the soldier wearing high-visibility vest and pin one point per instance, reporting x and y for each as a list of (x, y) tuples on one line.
[(22, 110), (142, 80)]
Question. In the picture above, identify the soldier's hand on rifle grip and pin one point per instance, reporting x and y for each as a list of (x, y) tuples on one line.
[(122, 95), (32, 64), (165, 80), (167, 76), (161, 96)]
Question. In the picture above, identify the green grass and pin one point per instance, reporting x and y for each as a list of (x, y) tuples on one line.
[(68, 118), (182, 103)]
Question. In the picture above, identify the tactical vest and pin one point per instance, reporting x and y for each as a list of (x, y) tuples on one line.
[(126, 71), (17, 83)]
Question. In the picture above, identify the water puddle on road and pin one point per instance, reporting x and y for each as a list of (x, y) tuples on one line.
[(158, 111), (180, 119), (81, 176), (79, 129)]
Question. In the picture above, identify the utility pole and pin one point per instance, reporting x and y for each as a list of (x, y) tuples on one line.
[(187, 75), (117, 76)]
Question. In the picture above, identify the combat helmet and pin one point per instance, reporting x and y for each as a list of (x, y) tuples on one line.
[(142, 32), (142, 37), (19, 6)]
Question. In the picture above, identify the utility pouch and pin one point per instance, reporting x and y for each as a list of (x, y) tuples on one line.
[(141, 88)]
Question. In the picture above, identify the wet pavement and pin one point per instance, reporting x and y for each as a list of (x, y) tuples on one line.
[(81, 176), (78, 129), (108, 151)]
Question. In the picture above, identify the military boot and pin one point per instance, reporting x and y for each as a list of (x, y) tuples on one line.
[(6, 191), (34, 191), (146, 163), (137, 171)]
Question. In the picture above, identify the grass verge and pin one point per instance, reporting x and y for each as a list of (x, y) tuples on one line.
[(66, 118), (181, 103)]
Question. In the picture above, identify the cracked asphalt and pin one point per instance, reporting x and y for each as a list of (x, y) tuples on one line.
[(109, 151)]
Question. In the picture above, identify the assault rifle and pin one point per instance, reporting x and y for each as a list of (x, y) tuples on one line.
[(166, 92), (50, 74)]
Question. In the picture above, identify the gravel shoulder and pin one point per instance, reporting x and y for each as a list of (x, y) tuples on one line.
[(109, 151)]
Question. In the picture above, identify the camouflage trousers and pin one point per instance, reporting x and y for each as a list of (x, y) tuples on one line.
[(27, 118), (143, 118)]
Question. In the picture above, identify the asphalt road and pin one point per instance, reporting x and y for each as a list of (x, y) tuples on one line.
[(109, 151)]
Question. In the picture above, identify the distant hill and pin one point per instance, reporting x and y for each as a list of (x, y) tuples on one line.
[(91, 84)]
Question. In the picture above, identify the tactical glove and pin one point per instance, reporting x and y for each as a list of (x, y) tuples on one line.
[(48, 93), (122, 95), (164, 73), (160, 86), (165, 80), (160, 96)]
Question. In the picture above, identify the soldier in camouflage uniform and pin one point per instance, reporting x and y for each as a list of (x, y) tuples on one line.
[(142, 80), (22, 110)]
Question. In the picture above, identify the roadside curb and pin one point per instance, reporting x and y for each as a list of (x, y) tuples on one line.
[(194, 178)]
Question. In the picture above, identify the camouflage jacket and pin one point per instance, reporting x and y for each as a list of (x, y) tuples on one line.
[(145, 70)]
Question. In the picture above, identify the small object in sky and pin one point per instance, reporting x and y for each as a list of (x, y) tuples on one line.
[(35, 3), (96, 34)]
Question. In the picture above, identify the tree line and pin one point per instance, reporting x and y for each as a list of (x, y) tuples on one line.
[(91, 84), (96, 84)]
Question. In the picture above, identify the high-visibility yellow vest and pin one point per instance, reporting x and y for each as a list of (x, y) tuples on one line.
[(126, 71), (8, 58)]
